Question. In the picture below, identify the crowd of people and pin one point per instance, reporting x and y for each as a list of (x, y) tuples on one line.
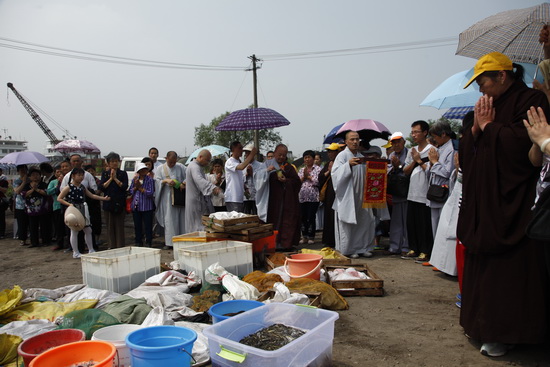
[(458, 203)]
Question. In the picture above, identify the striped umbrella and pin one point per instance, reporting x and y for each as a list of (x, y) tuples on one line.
[(252, 119), (514, 33), (457, 112)]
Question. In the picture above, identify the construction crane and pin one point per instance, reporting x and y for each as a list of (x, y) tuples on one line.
[(53, 139)]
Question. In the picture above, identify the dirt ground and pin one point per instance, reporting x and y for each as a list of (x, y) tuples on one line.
[(416, 322)]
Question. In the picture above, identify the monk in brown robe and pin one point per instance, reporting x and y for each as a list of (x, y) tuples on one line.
[(283, 209), (505, 288)]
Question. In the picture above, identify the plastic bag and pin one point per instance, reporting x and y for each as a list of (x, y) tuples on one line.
[(45, 310), (9, 298), (88, 321), (239, 289), (214, 273), (157, 317), (28, 329)]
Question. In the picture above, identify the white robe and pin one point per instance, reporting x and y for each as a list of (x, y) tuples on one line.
[(172, 218), (354, 225), (444, 251), (197, 187), (261, 183)]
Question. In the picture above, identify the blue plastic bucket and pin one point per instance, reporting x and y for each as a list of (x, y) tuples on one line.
[(161, 346), (218, 310)]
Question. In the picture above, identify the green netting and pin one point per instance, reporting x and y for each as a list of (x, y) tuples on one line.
[(88, 321)]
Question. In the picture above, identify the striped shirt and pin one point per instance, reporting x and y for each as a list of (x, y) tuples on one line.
[(143, 201)]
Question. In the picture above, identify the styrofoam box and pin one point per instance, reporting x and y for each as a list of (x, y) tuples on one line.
[(188, 240), (234, 256), (120, 270), (314, 348)]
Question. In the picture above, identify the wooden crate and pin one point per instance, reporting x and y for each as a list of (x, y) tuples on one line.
[(314, 297), (359, 287), (230, 225), (246, 235)]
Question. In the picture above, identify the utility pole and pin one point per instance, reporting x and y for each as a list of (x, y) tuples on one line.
[(255, 82)]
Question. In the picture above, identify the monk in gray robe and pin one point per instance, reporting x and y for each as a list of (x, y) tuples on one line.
[(354, 225), (168, 176), (199, 189)]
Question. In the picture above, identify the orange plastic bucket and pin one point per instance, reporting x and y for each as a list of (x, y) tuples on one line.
[(304, 266), (100, 352), (40, 343)]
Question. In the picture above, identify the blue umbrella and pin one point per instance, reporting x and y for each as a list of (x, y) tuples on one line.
[(457, 112), (215, 150), (331, 136), (451, 92)]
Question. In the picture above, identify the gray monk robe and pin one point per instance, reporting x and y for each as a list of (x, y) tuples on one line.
[(197, 197), (172, 218)]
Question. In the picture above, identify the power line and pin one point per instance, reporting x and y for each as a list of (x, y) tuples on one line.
[(88, 56), (439, 42)]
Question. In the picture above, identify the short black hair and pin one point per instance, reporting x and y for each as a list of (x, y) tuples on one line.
[(217, 161), (88, 166), (311, 153), (152, 149), (234, 144), (146, 159), (46, 167), (112, 157), (34, 170), (424, 126)]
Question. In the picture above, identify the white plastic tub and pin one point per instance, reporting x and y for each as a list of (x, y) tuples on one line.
[(120, 270), (116, 335), (234, 256), (314, 348)]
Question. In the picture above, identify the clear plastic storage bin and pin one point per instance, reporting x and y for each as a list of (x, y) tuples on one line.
[(183, 241), (234, 256), (314, 348), (120, 270)]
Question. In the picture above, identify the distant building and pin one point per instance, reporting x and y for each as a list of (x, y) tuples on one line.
[(8, 145)]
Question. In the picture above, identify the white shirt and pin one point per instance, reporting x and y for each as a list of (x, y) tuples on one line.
[(234, 181), (88, 182), (418, 187)]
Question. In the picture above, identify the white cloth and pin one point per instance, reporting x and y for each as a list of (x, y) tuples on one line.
[(234, 181), (197, 187), (172, 218), (88, 182), (261, 182), (217, 200), (418, 187), (443, 255), (354, 225)]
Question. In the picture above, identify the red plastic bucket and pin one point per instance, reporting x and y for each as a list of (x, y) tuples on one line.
[(40, 343), (304, 266), (100, 352)]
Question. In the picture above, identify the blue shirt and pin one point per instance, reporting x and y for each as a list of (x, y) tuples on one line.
[(143, 201)]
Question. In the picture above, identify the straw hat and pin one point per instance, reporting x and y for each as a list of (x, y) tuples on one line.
[(74, 219)]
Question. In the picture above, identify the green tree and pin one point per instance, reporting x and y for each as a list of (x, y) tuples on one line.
[(206, 134), (456, 125)]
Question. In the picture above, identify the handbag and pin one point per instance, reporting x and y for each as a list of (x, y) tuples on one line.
[(129, 200), (538, 228), (178, 197), (438, 193), (398, 185)]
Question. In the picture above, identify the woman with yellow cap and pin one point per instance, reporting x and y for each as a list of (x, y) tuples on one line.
[(504, 295)]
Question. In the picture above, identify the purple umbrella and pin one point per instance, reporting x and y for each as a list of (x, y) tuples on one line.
[(368, 129), (252, 119), (24, 157), (74, 145)]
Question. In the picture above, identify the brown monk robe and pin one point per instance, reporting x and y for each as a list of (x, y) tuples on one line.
[(283, 209), (505, 288)]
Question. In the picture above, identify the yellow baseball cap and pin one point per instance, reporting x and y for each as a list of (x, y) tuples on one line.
[(333, 146), (495, 61), (387, 145)]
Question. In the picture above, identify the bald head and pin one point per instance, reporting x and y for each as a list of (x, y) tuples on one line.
[(171, 158), (204, 158), (352, 141), (280, 153)]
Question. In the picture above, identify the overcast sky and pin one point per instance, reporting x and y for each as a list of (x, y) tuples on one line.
[(127, 109)]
